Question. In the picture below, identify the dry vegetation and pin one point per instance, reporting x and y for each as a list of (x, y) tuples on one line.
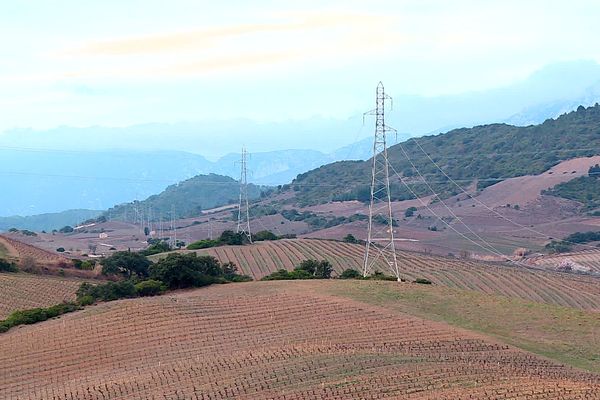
[(269, 340), (561, 289), (24, 291), (25, 251)]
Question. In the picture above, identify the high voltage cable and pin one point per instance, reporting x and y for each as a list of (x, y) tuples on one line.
[(486, 206), (171, 181)]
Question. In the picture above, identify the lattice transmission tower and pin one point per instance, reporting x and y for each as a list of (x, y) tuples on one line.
[(380, 238), (243, 225)]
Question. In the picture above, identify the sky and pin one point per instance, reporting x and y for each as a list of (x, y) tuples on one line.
[(125, 62)]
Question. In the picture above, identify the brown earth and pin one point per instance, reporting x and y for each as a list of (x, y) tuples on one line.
[(276, 340)]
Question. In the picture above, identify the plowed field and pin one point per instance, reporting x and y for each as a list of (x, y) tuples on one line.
[(562, 289), (269, 340)]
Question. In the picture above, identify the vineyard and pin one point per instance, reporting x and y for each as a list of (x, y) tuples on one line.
[(26, 251), (24, 291), (588, 260), (549, 287), (267, 340)]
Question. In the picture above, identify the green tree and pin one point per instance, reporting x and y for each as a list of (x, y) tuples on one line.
[(126, 263), (186, 270)]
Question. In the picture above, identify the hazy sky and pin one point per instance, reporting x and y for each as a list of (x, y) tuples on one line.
[(123, 62)]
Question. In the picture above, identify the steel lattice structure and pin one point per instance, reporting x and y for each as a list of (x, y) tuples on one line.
[(380, 238), (243, 225)]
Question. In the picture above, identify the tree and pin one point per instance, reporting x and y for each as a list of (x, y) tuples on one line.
[(66, 229), (7, 266), (349, 238), (350, 274), (126, 263), (232, 238), (410, 211), (317, 269), (186, 270)]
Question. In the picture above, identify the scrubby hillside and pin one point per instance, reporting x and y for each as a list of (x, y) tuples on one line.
[(185, 199), (483, 154)]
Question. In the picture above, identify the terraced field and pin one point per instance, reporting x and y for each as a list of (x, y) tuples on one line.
[(549, 287), (24, 291), (275, 340)]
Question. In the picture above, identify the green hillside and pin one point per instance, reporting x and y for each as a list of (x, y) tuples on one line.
[(483, 155), (185, 199)]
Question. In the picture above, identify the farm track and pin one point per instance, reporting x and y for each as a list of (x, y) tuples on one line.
[(277, 340), (24, 291), (563, 289)]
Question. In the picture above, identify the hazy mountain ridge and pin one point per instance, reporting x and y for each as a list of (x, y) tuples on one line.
[(47, 222)]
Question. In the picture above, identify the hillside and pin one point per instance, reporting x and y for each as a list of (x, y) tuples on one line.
[(484, 155), (185, 199), (47, 222), (263, 258), (214, 344)]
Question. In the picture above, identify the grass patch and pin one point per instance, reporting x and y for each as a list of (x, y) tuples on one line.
[(564, 334)]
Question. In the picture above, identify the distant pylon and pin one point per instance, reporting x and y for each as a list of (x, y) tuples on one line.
[(380, 237), (243, 225)]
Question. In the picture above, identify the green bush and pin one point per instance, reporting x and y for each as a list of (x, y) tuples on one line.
[(423, 281), (107, 292), (7, 266), (85, 300), (264, 236), (308, 269), (204, 244), (150, 287), (555, 247), (350, 274), (60, 250), (32, 316), (156, 248)]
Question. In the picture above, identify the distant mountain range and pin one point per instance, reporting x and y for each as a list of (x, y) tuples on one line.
[(96, 168), (47, 222)]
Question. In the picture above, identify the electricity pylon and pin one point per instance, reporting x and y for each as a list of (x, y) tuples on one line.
[(243, 225), (380, 238)]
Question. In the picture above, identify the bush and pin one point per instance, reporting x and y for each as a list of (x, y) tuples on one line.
[(349, 238), (28, 317), (263, 236), (423, 281), (85, 300), (60, 250), (7, 266), (66, 229), (150, 287), (308, 269), (410, 211), (350, 274), (107, 292), (558, 247), (156, 248), (204, 244)]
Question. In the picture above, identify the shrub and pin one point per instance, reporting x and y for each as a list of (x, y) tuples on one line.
[(410, 212), (308, 269), (7, 266), (349, 238), (60, 250), (263, 236), (350, 274), (203, 244), (558, 247), (150, 287), (66, 229), (85, 300), (32, 316), (156, 248), (423, 281), (108, 291)]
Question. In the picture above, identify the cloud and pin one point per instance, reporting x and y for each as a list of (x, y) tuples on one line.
[(208, 37)]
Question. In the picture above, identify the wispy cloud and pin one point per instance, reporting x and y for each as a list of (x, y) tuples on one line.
[(208, 37)]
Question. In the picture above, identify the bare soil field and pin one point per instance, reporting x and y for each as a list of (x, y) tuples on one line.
[(24, 291), (276, 340), (20, 250), (549, 287)]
